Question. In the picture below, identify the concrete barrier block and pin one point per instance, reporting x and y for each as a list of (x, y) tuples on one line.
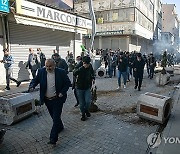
[(177, 69), (101, 72), (170, 70), (154, 107), (162, 79), (15, 107)]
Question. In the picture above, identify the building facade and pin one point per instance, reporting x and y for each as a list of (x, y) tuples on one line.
[(31, 24), (128, 25), (170, 28)]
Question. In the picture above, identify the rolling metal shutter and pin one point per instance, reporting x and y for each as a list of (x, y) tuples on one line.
[(23, 37), (114, 43), (106, 43)]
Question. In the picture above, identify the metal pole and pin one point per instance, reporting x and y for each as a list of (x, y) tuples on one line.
[(5, 45), (93, 18)]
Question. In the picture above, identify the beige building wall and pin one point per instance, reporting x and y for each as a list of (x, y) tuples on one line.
[(133, 17), (168, 20), (170, 23)]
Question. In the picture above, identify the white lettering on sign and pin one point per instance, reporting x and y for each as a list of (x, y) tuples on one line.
[(57, 16), (5, 2), (42, 12)]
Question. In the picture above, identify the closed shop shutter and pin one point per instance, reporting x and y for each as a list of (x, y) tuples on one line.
[(96, 43), (23, 37), (106, 42), (123, 44), (114, 44)]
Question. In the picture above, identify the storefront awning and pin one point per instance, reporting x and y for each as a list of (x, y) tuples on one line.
[(47, 24)]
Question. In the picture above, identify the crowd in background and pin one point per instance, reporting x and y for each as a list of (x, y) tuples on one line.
[(54, 81)]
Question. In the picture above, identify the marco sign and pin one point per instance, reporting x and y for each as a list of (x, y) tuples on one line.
[(42, 12)]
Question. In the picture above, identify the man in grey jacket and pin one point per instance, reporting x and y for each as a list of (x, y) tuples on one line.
[(33, 63), (8, 61)]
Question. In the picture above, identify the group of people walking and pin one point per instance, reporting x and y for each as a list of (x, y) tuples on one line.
[(54, 81), (129, 65)]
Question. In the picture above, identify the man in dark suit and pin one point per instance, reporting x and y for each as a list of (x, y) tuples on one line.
[(54, 84), (138, 66)]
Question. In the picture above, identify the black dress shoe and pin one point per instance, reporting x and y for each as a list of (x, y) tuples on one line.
[(18, 83), (88, 114), (76, 105), (139, 88), (83, 118), (135, 87), (7, 88), (52, 143)]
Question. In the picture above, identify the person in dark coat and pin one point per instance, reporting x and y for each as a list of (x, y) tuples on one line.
[(33, 62), (122, 70), (85, 78), (138, 67), (79, 63), (152, 65), (114, 64), (60, 63), (42, 57), (54, 84)]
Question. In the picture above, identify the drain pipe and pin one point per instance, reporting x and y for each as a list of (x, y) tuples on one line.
[(5, 44)]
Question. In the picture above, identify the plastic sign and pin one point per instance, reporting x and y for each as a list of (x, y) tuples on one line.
[(4, 6)]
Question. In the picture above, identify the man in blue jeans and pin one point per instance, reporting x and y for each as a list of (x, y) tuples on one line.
[(85, 79), (8, 61), (122, 70), (54, 84)]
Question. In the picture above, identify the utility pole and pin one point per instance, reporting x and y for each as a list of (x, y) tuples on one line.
[(93, 18)]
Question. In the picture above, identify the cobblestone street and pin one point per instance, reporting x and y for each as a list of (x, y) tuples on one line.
[(114, 129)]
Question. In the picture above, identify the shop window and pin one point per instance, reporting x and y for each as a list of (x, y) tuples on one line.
[(115, 16)]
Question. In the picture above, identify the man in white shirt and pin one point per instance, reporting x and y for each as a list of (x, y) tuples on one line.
[(54, 84)]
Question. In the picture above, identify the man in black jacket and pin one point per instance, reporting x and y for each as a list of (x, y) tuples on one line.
[(85, 79), (122, 70), (42, 57), (138, 67), (152, 65), (78, 64), (60, 63)]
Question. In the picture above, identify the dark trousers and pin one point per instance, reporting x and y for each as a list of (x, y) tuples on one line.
[(110, 71), (55, 109), (114, 70), (138, 79), (33, 73), (148, 71), (8, 77), (131, 71), (151, 72), (75, 94)]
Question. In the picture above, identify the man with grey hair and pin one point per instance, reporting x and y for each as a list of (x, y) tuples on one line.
[(54, 84)]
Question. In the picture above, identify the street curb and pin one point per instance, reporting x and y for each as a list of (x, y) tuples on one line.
[(167, 129)]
